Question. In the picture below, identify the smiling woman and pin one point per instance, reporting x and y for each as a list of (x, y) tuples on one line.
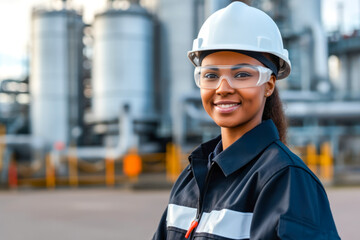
[(244, 184)]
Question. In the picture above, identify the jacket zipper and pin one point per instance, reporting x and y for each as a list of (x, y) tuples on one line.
[(199, 213)]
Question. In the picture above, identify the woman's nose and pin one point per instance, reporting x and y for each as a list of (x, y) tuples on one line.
[(224, 87)]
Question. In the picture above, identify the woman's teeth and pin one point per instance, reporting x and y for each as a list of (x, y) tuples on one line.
[(227, 105)]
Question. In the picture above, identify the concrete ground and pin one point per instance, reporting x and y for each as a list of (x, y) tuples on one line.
[(345, 206), (109, 214)]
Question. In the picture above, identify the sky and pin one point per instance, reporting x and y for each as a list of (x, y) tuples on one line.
[(15, 18), (15, 29)]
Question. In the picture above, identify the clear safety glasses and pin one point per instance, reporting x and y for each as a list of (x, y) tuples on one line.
[(238, 76)]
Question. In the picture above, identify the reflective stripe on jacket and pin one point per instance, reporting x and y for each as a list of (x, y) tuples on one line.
[(255, 189)]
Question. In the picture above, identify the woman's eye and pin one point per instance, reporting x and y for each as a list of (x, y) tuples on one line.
[(243, 75), (210, 76)]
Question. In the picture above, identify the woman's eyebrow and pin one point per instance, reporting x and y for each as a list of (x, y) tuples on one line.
[(237, 66), (214, 68)]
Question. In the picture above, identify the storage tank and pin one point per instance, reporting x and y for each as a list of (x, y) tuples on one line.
[(56, 73), (123, 61)]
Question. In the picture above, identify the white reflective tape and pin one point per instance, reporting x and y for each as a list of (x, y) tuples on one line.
[(180, 216), (226, 223)]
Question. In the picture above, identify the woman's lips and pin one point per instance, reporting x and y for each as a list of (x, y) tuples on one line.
[(226, 107)]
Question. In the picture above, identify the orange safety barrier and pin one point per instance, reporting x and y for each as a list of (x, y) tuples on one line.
[(2, 145), (50, 172), (311, 158), (110, 171), (12, 175), (321, 164), (73, 168), (132, 164), (326, 162), (173, 164)]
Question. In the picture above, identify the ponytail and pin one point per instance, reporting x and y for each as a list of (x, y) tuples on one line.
[(274, 110)]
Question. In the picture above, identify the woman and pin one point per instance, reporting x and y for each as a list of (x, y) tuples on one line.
[(244, 184)]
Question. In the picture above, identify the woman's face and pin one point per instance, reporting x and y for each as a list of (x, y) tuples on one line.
[(235, 108)]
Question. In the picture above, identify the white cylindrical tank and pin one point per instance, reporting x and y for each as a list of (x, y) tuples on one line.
[(55, 75), (122, 62)]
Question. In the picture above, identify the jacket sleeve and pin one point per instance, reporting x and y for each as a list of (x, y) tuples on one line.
[(293, 205), (160, 233)]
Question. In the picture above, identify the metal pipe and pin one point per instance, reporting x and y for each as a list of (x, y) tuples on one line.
[(320, 52), (341, 17), (134, 1), (63, 3)]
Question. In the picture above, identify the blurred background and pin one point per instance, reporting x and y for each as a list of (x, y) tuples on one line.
[(101, 93)]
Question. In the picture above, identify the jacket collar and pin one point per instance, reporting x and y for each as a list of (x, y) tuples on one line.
[(242, 151)]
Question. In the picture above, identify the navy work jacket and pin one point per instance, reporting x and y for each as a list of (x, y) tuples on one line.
[(255, 189)]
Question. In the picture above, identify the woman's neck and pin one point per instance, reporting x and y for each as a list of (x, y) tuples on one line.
[(231, 135)]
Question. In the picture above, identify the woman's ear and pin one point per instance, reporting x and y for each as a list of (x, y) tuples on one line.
[(270, 86)]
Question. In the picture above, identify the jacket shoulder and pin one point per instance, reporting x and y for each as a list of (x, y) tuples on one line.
[(278, 157)]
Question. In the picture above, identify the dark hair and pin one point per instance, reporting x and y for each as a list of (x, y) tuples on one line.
[(274, 110)]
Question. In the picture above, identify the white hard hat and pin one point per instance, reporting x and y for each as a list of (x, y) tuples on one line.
[(244, 28)]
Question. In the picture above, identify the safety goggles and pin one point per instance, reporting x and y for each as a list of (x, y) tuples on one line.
[(238, 76)]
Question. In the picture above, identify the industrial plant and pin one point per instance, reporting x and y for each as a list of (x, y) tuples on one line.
[(122, 86)]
